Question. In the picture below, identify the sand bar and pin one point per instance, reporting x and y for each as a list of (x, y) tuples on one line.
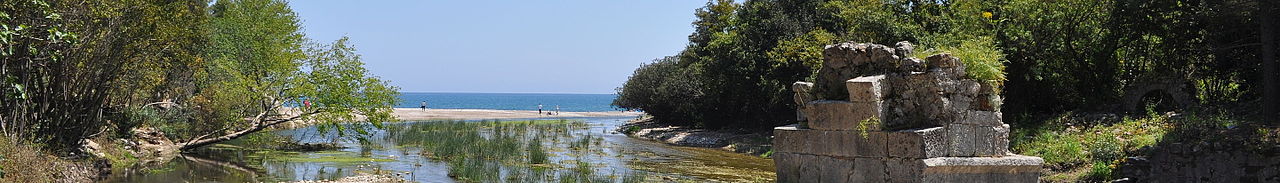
[(415, 114)]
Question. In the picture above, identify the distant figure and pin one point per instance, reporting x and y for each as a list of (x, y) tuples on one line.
[(306, 103), (539, 108), (557, 109), (424, 105)]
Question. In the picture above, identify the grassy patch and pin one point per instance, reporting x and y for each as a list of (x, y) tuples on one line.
[(26, 162), (1091, 150)]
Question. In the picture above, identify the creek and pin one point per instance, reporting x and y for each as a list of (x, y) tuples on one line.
[(575, 149)]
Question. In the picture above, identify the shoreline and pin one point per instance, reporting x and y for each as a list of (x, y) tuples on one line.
[(417, 114), (646, 128)]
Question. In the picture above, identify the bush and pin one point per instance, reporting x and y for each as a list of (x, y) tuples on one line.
[(663, 89), (982, 59)]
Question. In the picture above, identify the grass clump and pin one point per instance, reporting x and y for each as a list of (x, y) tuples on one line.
[(982, 59)]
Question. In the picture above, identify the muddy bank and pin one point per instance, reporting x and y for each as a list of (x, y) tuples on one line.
[(730, 140)]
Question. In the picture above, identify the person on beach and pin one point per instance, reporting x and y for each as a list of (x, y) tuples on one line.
[(557, 110), (424, 105), (539, 109)]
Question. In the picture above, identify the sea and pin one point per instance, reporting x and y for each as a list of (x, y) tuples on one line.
[(509, 101)]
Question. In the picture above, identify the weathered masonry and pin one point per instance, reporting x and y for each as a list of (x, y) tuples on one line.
[(875, 114)]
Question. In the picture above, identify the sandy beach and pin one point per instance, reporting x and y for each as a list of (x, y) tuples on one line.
[(413, 114)]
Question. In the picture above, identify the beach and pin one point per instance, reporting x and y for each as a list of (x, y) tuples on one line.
[(415, 114)]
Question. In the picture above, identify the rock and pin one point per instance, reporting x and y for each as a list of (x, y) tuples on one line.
[(943, 61), (882, 54), (869, 170), (830, 115), (904, 49), (92, 148), (962, 139), (912, 65), (980, 118), (991, 141), (864, 89), (918, 143), (802, 96)]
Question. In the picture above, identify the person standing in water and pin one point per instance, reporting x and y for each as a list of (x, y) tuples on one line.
[(424, 105)]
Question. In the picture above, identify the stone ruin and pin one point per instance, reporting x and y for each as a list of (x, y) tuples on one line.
[(876, 114)]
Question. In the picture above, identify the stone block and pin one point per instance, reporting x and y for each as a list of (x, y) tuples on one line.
[(918, 143), (855, 144), (786, 167), (982, 169), (872, 113), (791, 139), (865, 89), (980, 118), (831, 115), (961, 137), (869, 170), (904, 49), (943, 60), (991, 141), (957, 105), (904, 170), (989, 102), (808, 168), (882, 54), (843, 143), (836, 169)]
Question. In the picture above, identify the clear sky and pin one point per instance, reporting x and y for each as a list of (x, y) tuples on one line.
[(560, 46)]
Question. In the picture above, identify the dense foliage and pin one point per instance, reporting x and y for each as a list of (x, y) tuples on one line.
[(1045, 55), (202, 72)]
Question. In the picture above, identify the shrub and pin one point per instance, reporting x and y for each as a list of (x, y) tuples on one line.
[(982, 59), (664, 90)]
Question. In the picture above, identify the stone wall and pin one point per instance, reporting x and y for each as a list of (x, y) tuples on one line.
[(1208, 162), (875, 114)]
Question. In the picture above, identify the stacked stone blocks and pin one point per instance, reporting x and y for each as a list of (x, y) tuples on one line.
[(877, 115)]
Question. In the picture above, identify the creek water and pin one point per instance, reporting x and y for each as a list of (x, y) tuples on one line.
[(611, 156)]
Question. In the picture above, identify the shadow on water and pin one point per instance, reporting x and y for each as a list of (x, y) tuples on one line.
[(532, 150)]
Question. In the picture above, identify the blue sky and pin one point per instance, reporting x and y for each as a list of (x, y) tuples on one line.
[(562, 46)]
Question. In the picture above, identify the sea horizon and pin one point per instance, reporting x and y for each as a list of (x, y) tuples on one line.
[(569, 102)]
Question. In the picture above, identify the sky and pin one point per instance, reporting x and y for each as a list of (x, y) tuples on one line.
[(487, 46)]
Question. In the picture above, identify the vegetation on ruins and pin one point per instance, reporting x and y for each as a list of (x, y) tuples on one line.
[(1048, 55), (1058, 64)]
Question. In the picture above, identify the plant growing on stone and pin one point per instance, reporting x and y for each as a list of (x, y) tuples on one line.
[(866, 125), (982, 59)]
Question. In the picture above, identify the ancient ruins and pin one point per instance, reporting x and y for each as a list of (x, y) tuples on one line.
[(876, 114)]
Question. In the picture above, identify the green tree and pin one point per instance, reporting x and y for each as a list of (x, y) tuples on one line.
[(70, 65), (260, 73)]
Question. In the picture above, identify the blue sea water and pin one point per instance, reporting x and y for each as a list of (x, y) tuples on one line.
[(509, 101)]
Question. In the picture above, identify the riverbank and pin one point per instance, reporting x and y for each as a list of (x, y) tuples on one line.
[(647, 128)]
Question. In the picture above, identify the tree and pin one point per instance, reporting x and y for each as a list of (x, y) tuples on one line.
[(259, 73), (70, 65), (1268, 50)]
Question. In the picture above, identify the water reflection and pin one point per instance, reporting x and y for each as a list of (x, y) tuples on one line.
[(590, 148)]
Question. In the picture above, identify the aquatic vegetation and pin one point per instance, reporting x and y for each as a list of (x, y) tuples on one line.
[(518, 150)]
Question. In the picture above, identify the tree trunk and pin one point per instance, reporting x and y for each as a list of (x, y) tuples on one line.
[(259, 125), (1268, 52)]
